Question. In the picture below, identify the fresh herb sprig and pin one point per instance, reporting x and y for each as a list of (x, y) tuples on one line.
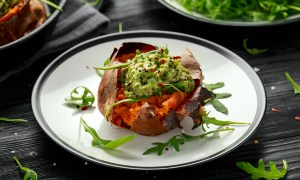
[(29, 173), (253, 51), (260, 171), (178, 140), (215, 101), (245, 10), (82, 100), (103, 143), (212, 120), (293, 83), (12, 120)]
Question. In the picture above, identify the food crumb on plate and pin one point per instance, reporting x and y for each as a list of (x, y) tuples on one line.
[(256, 69)]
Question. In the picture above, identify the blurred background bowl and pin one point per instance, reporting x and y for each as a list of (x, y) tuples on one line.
[(17, 51)]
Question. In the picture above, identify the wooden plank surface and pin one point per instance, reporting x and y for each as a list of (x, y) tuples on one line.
[(278, 133)]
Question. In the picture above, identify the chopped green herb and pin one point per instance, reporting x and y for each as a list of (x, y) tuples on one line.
[(260, 171), (253, 50), (81, 97), (178, 140), (29, 173), (293, 83), (102, 143), (12, 120)]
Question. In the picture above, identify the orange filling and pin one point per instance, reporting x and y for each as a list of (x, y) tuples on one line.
[(125, 113)]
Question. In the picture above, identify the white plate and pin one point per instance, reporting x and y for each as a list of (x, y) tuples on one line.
[(75, 68), (176, 7)]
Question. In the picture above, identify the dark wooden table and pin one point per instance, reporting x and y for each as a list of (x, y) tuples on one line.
[(278, 133)]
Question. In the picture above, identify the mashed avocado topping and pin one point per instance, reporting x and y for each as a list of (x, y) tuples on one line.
[(153, 72), (6, 5)]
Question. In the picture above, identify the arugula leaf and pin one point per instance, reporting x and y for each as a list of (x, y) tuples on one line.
[(83, 101), (50, 3), (106, 62), (253, 51), (293, 83), (102, 143), (212, 87), (12, 120), (219, 106), (178, 140), (29, 173), (213, 120), (223, 95), (260, 171)]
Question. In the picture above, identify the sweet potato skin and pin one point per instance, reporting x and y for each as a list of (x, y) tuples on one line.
[(147, 121), (26, 16)]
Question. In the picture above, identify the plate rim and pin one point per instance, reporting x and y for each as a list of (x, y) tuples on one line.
[(251, 74), (230, 23)]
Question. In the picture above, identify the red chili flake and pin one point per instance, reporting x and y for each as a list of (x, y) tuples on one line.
[(176, 57), (163, 61), (84, 108), (275, 110), (255, 141), (145, 69), (297, 118), (160, 85), (152, 70), (162, 50)]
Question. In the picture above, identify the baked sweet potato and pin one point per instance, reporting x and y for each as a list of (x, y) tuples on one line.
[(21, 19), (147, 111)]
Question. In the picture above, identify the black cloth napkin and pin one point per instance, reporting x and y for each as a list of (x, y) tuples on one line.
[(77, 22)]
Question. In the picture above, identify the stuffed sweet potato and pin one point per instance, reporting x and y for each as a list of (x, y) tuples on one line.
[(150, 92), (19, 17)]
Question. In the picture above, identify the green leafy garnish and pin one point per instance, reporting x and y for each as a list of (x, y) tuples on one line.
[(253, 51), (81, 99), (12, 120), (103, 143), (50, 3), (219, 106), (212, 120), (212, 87), (106, 62), (178, 140), (98, 71), (243, 10), (215, 102), (260, 171), (293, 83), (119, 102), (29, 173), (117, 66)]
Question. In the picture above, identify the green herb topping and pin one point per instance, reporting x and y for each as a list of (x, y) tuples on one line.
[(81, 97), (12, 120), (293, 83), (260, 171), (252, 51), (102, 143), (29, 173)]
